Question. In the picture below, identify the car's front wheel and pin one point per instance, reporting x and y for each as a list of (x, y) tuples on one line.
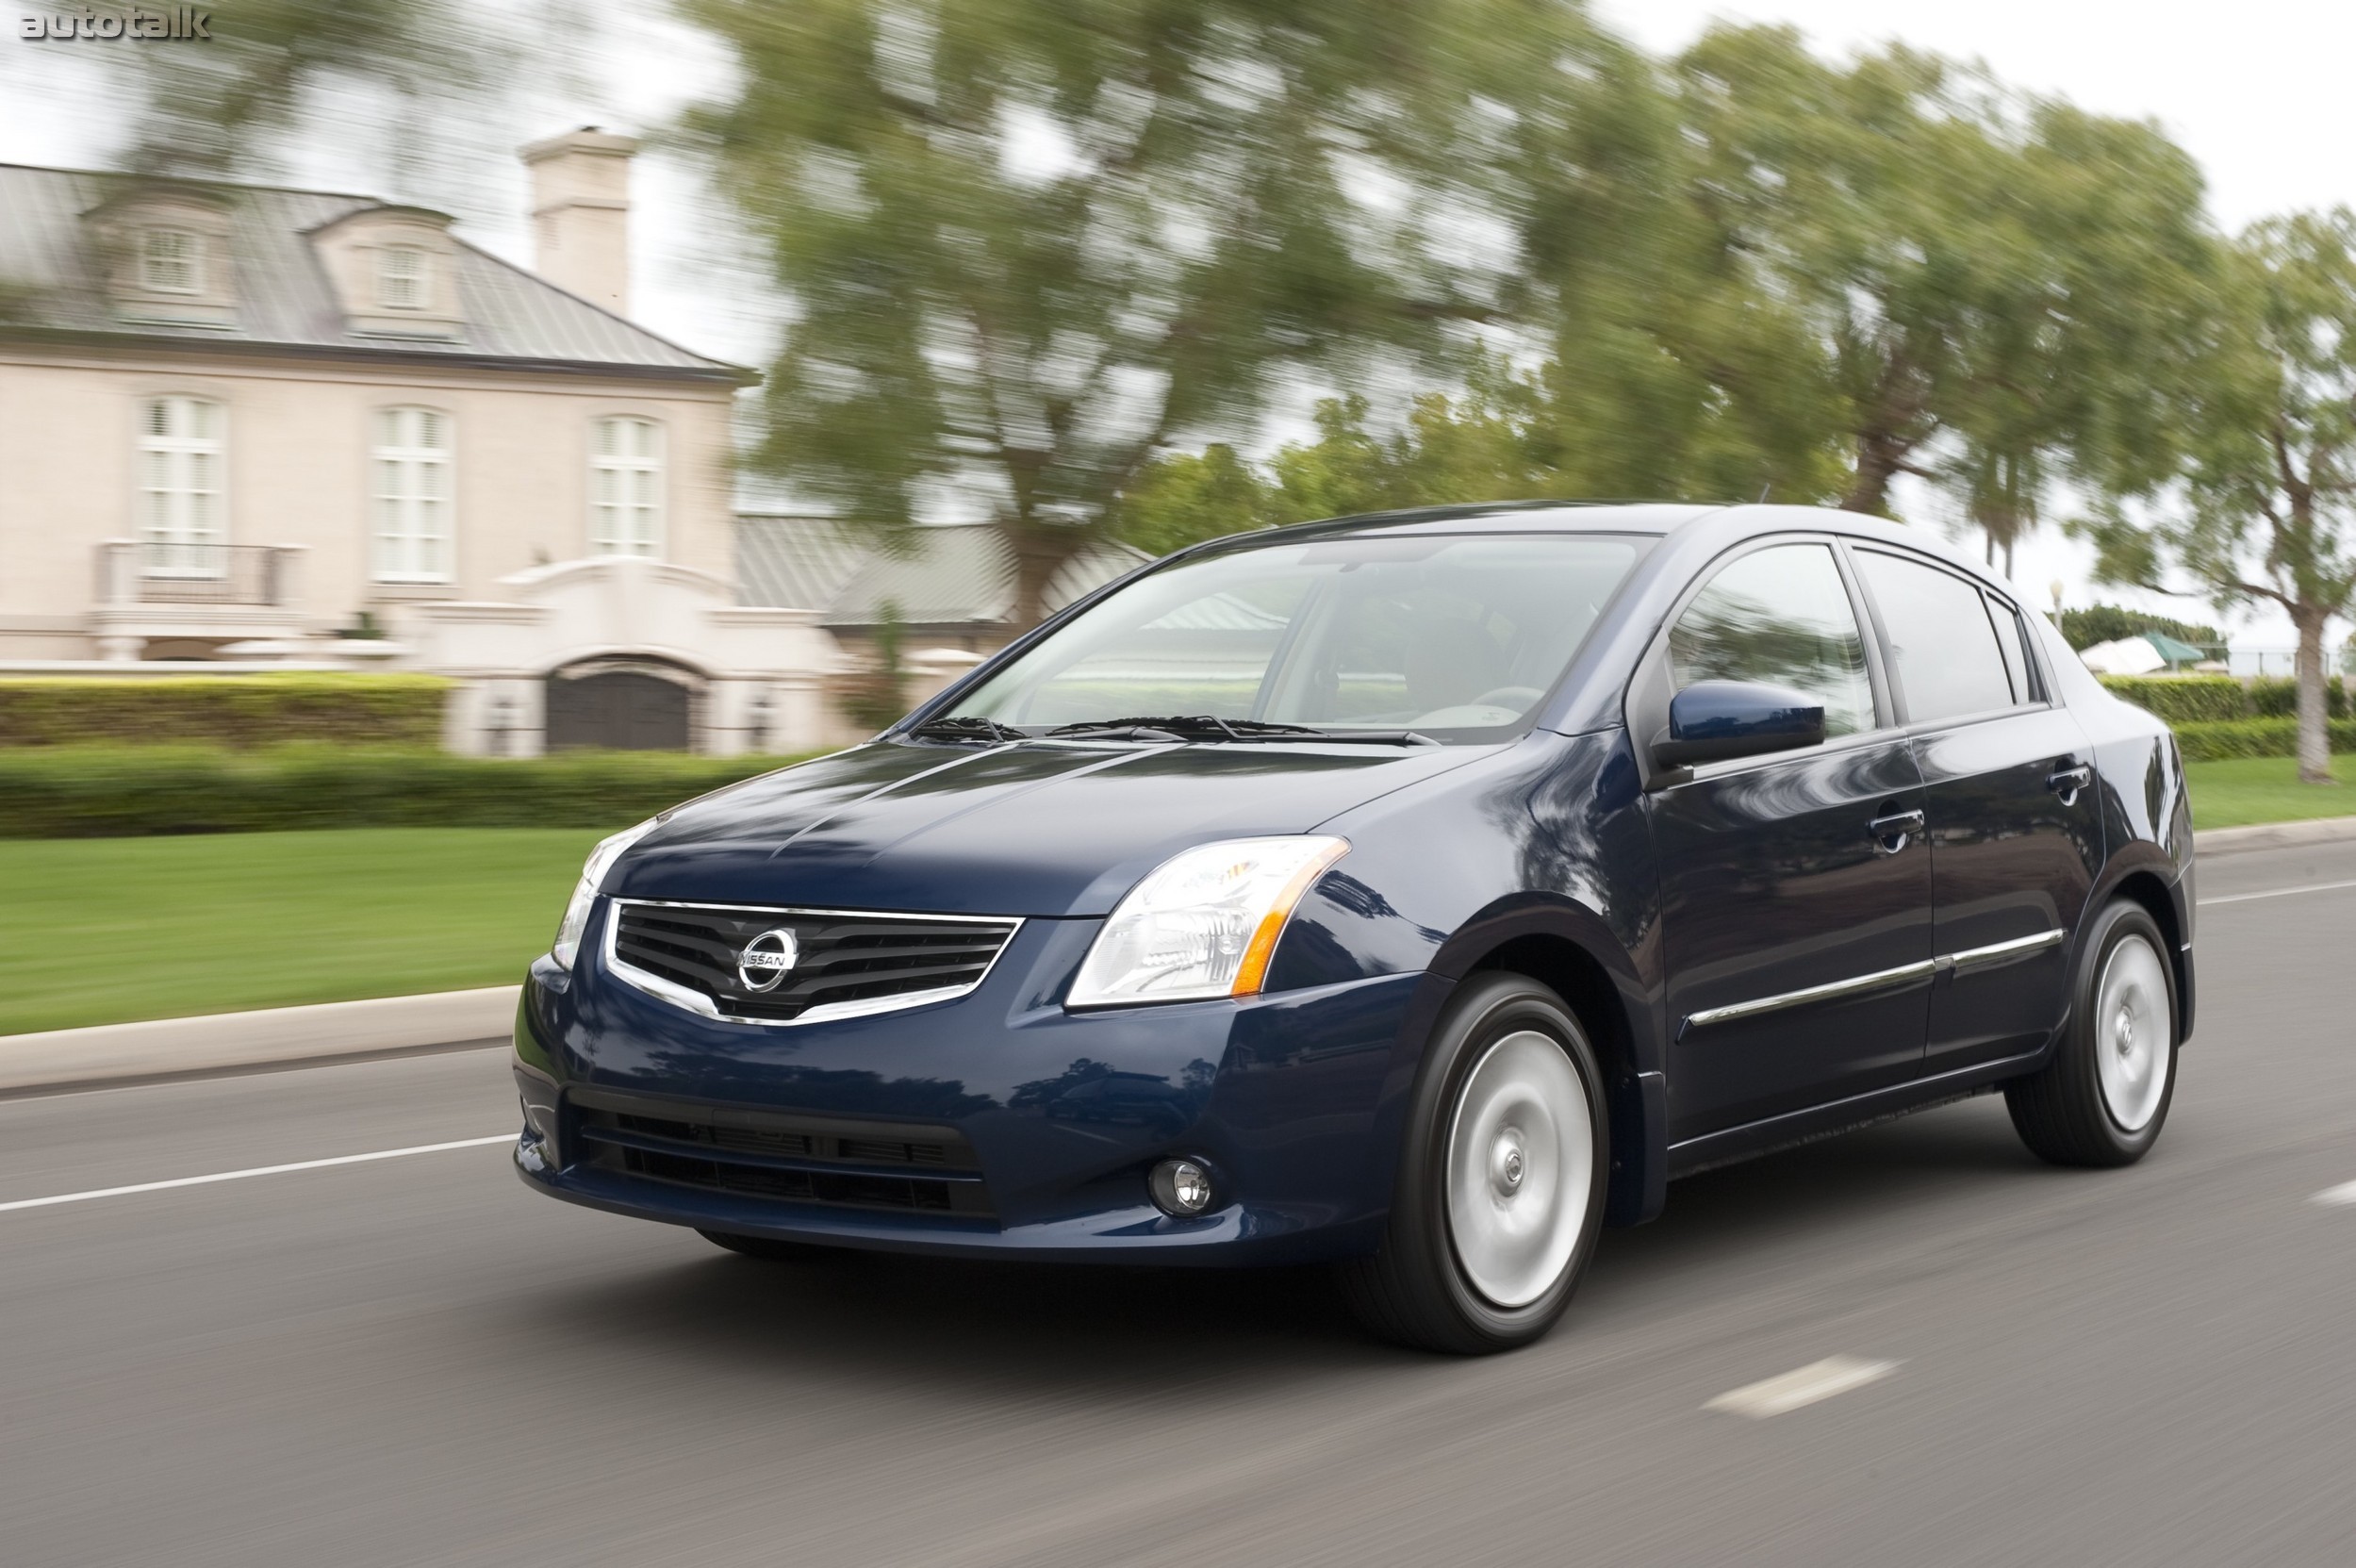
[(1501, 1182), (2102, 1100)]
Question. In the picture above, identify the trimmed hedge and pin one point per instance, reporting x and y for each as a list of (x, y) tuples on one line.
[(2254, 737), (115, 791), (2278, 697), (2184, 699), (262, 709)]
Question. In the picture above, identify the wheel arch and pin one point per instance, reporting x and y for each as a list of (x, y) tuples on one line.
[(1571, 950), (2144, 887)]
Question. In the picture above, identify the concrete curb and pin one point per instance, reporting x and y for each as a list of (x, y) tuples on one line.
[(169, 1048), (279, 1035), (2274, 835)]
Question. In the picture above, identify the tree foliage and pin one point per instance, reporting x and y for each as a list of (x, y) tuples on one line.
[(2265, 422), (1032, 242), (250, 90)]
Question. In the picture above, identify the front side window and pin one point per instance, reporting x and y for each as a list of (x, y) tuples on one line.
[(1783, 615), (401, 277), (181, 458), (410, 467), (626, 487), (171, 262), (1947, 660), (1456, 637)]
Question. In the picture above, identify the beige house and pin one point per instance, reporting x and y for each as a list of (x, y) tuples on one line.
[(240, 420)]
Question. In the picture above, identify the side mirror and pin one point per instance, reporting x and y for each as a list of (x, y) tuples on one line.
[(1714, 720)]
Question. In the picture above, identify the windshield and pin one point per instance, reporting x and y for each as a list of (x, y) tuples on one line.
[(1454, 637)]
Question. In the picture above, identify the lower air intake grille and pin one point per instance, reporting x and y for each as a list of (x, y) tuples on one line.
[(826, 963), (834, 1162)]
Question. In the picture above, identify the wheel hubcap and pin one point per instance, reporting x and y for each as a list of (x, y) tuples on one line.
[(2131, 1055), (1520, 1167)]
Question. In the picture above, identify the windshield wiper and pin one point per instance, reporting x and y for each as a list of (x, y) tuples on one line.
[(967, 727), (1184, 727)]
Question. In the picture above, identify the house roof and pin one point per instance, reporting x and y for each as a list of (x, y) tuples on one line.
[(958, 574), (283, 298)]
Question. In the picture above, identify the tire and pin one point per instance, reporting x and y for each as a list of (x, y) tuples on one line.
[(1502, 1178), (2102, 1099), (772, 1248)]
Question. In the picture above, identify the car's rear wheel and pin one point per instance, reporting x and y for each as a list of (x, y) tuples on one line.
[(1501, 1184), (2102, 1099)]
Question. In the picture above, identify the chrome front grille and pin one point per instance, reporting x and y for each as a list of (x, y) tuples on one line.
[(844, 963)]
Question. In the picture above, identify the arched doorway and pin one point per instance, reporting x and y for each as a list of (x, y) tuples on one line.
[(620, 710)]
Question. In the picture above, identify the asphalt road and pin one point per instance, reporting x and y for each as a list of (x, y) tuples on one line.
[(415, 1360)]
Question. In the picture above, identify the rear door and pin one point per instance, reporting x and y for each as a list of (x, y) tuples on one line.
[(1795, 891), (2016, 838)]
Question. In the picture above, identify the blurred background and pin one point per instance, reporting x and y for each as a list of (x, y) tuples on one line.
[(438, 433)]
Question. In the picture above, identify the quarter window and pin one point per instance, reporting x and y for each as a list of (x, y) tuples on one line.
[(410, 465), (171, 262), (1779, 615), (401, 277), (181, 484), (626, 487), (1947, 660)]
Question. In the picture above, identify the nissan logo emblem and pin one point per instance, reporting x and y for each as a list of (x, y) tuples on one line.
[(765, 960)]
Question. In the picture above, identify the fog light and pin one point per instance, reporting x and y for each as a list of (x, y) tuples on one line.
[(1181, 1188)]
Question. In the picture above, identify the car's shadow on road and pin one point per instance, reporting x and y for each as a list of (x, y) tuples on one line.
[(1120, 1331)]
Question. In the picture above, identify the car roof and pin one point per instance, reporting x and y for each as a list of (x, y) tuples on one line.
[(1507, 516)]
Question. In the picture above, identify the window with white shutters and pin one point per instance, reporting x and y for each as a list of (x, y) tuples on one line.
[(402, 278), (410, 495), (171, 262), (626, 487), (182, 500)]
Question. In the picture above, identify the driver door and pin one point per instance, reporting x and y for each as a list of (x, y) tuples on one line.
[(1796, 906)]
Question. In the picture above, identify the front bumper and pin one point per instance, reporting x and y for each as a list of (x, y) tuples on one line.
[(1057, 1115)]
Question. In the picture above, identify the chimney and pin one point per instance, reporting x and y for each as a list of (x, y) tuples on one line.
[(581, 214)]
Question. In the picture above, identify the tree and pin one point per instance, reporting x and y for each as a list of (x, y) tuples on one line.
[(1032, 245), (1972, 288), (2266, 414), (224, 107)]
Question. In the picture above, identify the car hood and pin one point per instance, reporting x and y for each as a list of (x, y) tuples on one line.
[(1038, 829)]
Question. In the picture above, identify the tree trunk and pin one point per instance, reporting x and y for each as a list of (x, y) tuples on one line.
[(2314, 729), (1040, 552)]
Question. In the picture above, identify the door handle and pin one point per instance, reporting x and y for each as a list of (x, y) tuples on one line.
[(1894, 830), (2068, 781)]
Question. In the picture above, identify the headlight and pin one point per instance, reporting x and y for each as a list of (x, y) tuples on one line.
[(600, 861), (1204, 924)]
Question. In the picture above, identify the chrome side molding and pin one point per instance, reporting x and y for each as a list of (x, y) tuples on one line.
[(1855, 985), (1906, 974)]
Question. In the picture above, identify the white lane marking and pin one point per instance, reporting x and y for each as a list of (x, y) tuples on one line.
[(2277, 893), (1805, 1386), (258, 1170), (2341, 1197)]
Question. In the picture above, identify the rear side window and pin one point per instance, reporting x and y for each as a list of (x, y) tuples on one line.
[(1942, 646), (1780, 614), (2009, 639)]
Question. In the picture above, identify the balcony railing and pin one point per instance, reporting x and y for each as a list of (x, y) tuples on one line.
[(133, 572)]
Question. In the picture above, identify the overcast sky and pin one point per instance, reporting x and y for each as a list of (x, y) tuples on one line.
[(2256, 90)]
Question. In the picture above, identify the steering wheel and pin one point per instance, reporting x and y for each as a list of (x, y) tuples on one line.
[(1516, 698)]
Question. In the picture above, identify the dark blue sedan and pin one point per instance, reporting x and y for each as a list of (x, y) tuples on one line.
[(1418, 892)]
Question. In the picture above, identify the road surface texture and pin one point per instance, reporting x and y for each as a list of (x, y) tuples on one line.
[(415, 1360)]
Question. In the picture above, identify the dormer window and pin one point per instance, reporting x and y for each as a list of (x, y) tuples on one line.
[(402, 282), (171, 262)]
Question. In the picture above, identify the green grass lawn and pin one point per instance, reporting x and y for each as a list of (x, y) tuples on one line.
[(105, 930), (2243, 790), (101, 931)]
